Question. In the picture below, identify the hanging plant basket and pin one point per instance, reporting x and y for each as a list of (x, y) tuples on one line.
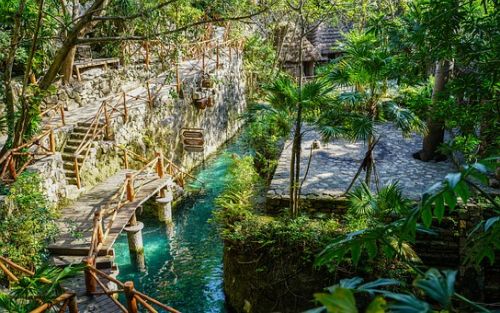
[(201, 103), (207, 81), (211, 101)]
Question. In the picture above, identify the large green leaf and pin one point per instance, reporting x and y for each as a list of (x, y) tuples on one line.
[(341, 300), (438, 286)]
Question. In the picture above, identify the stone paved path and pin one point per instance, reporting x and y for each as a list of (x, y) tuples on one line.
[(334, 165)]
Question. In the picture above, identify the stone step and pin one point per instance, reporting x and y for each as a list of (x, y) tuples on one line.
[(86, 124), (80, 130), (69, 173), (71, 181), (70, 165), (73, 142), (69, 157), (72, 149), (102, 262)]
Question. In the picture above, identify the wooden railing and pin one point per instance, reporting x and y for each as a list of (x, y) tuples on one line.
[(66, 301), (125, 194), (58, 108), (133, 297), (16, 160)]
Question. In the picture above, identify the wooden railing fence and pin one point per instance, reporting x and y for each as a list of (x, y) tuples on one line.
[(15, 161), (66, 301)]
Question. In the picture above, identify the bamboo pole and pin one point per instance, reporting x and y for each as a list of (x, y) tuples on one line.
[(52, 141), (61, 110), (107, 121), (159, 165), (146, 305), (128, 287), (8, 273), (129, 177), (125, 109), (90, 281), (125, 159), (77, 172)]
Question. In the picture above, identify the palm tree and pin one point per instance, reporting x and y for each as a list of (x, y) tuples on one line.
[(282, 97), (362, 75), (29, 292)]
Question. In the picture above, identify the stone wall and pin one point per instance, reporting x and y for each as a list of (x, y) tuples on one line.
[(148, 129)]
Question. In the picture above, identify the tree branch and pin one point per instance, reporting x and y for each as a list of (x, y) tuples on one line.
[(134, 16), (179, 29)]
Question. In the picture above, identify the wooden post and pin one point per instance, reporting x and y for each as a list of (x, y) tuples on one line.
[(98, 225), (61, 110), (146, 47), (125, 159), (125, 109), (52, 141), (217, 56), (107, 121), (203, 59), (128, 288), (130, 186), (230, 53), (159, 164), (12, 168), (90, 282), (177, 79), (77, 172), (73, 305), (149, 96)]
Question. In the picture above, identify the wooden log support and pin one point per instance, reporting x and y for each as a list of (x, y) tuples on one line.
[(165, 207), (8, 273), (128, 288), (130, 186), (61, 111), (125, 159), (217, 56), (177, 80), (150, 99), (73, 305), (107, 120), (125, 109), (77, 172), (90, 281), (135, 242), (160, 167), (52, 141), (203, 60), (12, 168), (98, 226)]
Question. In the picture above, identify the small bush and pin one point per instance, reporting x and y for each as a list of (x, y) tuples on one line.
[(26, 221)]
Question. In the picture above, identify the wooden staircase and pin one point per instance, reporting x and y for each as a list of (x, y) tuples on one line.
[(68, 153)]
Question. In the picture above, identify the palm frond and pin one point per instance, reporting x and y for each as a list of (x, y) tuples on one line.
[(404, 119)]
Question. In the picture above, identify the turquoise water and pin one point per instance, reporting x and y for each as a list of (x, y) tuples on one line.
[(184, 262)]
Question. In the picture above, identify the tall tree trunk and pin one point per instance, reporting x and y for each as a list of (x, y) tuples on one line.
[(31, 107), (7, 79), (67, 66), (435, 125)]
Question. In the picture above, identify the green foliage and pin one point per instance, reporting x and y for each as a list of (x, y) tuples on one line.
[(237, 199), (30, 292), (391, 238), (26, 221), (259, 63), (434, 285)]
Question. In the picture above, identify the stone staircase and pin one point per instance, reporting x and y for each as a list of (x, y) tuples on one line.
[(68, 153)]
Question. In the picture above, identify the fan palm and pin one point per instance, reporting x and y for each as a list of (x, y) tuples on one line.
[(282, 101), (31, 291), (365, 69)]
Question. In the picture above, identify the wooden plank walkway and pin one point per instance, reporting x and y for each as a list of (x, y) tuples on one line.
[(76, 221)]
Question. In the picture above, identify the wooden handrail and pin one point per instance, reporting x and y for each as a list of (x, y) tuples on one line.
[(68, 299)]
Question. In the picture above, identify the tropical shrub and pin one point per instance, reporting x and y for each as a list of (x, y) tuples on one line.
[(26, 221)]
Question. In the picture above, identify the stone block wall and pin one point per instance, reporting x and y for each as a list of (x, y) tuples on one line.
[(148, 129)]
